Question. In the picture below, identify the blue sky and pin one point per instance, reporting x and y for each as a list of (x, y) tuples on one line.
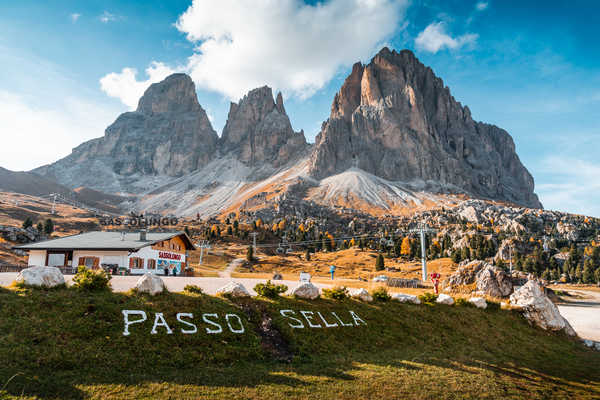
[(70, 67)]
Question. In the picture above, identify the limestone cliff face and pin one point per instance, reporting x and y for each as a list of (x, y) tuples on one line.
[(258, 131), (168, 134), (395, 119)]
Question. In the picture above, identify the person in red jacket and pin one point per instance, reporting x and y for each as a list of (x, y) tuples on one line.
[(435, 279)]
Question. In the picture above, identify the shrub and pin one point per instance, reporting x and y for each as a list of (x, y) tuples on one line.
[(428, 298), (463, 302), (380, 294), (336, 293), (493, 306), (269, 289), (87, 279), (193, 289)]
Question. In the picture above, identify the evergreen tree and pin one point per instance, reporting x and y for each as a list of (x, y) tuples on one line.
[(307, 255), (27, 223), (250, 254), (48, 227), (587, 275), (40, 227)]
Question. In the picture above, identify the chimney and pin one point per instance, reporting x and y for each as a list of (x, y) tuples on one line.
[(142, 235)]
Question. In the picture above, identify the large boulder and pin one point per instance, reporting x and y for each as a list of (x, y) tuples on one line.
[(41, 277), (444, 299), (234, 289), (306, 290), (406, 298), (151, 284), (538, 309), (484, 277), (361, 294)]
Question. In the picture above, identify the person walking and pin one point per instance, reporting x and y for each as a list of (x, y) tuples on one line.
[(332, 271)]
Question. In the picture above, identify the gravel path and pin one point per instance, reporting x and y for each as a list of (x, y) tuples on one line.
[(175, 283), (583, 314)]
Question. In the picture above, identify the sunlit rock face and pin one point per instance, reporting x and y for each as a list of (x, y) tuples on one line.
[(395, 119)]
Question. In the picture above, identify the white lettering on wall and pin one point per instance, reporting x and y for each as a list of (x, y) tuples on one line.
[(126, 314), (187, 331), (213, 323), (298, 324), (159, 320)]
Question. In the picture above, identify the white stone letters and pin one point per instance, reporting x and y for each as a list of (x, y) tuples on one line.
[(213, 324), (218, 329), (298, 324), (126, 314), (308, 316), (239, 322), (187, 331), (357, 320), (327, 324), (159, 320)]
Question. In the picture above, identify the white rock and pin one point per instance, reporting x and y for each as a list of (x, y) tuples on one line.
[(234, 289), (381, 278), (406, 298), (306, 290), (478, 302), (445, 299), (150, 283), (361, 294), (41, 277), (538, 308)]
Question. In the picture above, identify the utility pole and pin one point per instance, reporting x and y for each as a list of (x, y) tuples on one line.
[(53, 203), (422, 231), (254, 234), (204, 245)]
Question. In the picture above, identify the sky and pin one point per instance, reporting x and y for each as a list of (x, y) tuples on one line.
[(69, 68)]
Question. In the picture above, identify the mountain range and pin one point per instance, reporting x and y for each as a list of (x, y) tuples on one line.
[(396, 140)]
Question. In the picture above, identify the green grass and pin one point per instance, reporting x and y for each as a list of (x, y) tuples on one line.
[(67, 343)]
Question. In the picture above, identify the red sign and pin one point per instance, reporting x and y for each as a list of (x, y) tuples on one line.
[(170, 256)]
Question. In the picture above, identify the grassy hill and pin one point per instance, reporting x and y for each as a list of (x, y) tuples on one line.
[(66, 343)]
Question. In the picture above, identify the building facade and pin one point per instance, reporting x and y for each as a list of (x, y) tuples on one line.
[(137, 253)]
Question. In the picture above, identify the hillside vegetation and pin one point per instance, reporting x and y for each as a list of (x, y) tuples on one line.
[(66, 343)]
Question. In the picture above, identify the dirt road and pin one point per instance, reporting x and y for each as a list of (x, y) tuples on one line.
[(583, 313)]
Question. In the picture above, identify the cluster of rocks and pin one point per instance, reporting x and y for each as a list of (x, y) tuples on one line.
[(488, 280), (20, 235)]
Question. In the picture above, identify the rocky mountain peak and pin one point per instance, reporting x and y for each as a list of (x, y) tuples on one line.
[(174, 94), (395, 119), (258, 130)]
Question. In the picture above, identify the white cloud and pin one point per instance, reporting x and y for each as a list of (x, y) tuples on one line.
[(575, 187), (33, 135), (286, 44), (127, 88), (435, 38), (106, 17), (74, 17), (481, 5)]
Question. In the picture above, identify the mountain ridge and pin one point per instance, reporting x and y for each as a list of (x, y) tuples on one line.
[(394, 127)]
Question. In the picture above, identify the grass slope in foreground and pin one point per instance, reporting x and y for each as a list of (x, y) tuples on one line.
[(66, 343)]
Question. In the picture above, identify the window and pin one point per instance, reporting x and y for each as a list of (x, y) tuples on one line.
[(136, 263), (151, 264), (89, 262)]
